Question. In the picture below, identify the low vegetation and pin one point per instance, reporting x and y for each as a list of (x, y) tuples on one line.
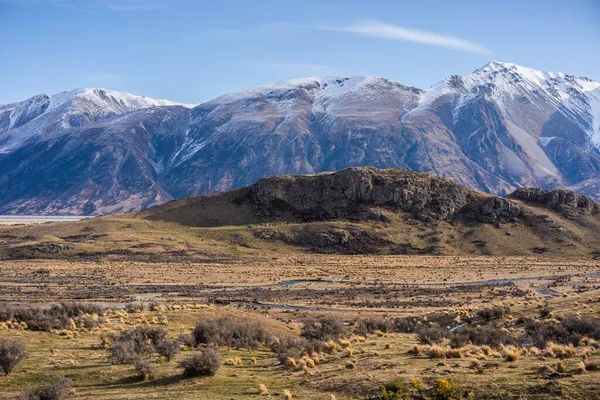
[(12, 352), (232, 332), (57, 389), (59, 316), (202, 363), (435, 341)]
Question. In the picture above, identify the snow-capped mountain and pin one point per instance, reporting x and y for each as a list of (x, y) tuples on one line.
[(93, 151), (44, 114)]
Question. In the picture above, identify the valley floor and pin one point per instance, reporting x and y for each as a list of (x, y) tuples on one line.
[(283, 291)]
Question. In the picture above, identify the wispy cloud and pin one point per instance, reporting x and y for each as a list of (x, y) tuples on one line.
[(297, 69), (382, 30)]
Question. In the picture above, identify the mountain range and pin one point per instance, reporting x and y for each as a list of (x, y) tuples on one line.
[(97, 151)]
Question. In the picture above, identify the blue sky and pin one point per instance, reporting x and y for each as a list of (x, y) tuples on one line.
[(192, 51)]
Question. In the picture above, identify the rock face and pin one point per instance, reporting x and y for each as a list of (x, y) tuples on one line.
[(331, 195), (559, 200), (352, 192), (494, 209), (95, 151)]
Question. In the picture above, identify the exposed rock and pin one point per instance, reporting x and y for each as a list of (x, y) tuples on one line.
[(559, 200), (495, 210), (37, 250), (351, 240), (335, 195), (373, 215)]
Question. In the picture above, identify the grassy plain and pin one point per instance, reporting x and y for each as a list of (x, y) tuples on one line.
[(282, 291)]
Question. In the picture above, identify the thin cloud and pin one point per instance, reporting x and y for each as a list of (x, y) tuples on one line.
[(382, 30)]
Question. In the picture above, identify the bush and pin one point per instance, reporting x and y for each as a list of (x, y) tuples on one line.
[(489, 314), (144, 369), (394, 390), (123, 352), (327, 328), (539, 334), (405, 325), (446, 389), (60, 316), (583, 326), (371, 325), (204, 363), (431, 335), (482, 335), (140, 342), (167, 348), (57, 390), (12, 352), (187, 339), (232, 332), (294, 347), (511, 353)]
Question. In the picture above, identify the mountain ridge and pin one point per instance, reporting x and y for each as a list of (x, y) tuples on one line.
[(498, 129)]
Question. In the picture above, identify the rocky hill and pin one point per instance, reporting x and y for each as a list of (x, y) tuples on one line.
[(359, 210)]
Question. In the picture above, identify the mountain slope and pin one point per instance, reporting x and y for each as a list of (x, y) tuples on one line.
[(86, 151), (503, 127)]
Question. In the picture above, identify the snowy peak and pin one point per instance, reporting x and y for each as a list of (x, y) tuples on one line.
[(44, 115), (523, 93), (317, 86), (93, 101), (513, 77), (108, 100)]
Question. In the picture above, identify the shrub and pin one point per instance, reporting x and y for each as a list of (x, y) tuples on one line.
[(123, 352), (433, 334), (204, 363), (140, 342), (229, 331), (12, 352), (187, 339), (446, 389), (327, 328), (372, 325), (405, 325), (436, 351), (294, 347), (144, 369), (167, 348), (394, 390), (59, 316), (583, 326), (539, 334), (482, 335), (492, 313), (511, 353), (57, 390), (572, 330)]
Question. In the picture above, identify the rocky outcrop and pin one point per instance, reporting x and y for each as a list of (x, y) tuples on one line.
[(565, 201), (349, 194), (340, 194), (495, 210)]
